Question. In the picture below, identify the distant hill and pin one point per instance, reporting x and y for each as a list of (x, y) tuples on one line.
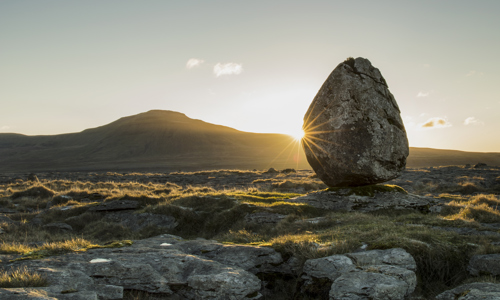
[(428, 157), (164, 141), (155, 140)]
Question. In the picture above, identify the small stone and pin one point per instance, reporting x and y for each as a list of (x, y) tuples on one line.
[(354, 134), (272, 171), (116, 205), (58, 226)]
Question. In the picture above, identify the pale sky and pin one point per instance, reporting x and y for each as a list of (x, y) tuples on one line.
[(252, 65)]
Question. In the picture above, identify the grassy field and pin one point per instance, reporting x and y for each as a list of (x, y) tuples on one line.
[(219, 213)]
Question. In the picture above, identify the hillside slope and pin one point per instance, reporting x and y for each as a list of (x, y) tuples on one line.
[(151, 140), (169, 141)]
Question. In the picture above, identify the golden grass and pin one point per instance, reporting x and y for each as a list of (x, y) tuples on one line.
[(21, 277)]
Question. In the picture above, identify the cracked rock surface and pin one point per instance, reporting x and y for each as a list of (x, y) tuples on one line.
[(165, 265), (375, 274), (354, 132)]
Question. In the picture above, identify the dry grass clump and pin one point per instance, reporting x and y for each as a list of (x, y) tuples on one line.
[(21, 277), (480, 208), (47, 249), (481, 213), (38, 192)]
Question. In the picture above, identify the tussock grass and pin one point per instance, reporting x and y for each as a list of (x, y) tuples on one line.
[(37, 191), (21, 277)]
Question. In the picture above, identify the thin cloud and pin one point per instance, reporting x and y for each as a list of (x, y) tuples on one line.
[(4, 128), (422, 94), (435, 123), (472, 121), (474, 73), (227, 69), (194, 62)]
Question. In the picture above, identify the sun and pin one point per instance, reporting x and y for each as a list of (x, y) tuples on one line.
[(297, 135)]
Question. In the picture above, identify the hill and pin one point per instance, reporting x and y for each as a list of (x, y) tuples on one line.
[(169, 141), (154, 140)]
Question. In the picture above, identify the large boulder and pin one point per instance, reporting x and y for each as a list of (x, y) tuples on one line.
[(354, 134)]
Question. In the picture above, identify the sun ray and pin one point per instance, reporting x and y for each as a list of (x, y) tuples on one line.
[(282, 151), (314, 154), (317, 146)]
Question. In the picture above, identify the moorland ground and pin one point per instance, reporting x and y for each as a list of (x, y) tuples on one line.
[(53, 214)]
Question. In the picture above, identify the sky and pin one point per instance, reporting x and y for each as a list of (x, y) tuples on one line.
[(66, 66)]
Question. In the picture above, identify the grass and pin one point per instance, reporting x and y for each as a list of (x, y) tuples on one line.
[(214, 212), (21, 277), (56, 248)]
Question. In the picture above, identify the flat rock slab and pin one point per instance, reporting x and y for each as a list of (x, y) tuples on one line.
[(163, 265), (336, 201), (137, 222), (472, 291), (264, 218)]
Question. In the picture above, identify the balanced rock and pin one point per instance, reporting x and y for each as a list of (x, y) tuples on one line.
[(354, 134)]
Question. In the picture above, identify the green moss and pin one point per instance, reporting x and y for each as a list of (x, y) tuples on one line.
[(116, 244), (367, 190)]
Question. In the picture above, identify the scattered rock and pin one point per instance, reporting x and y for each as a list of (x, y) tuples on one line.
[(393, 257), (331, 267), (374, 274), (480, 165), (58, 226), (486, 264), (354, 132), (59, 199), (264, 218), (367, 285), (137, 222), (116, 205), (5, 210)]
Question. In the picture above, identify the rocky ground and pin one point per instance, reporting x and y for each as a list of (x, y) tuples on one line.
[(233, 234)]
